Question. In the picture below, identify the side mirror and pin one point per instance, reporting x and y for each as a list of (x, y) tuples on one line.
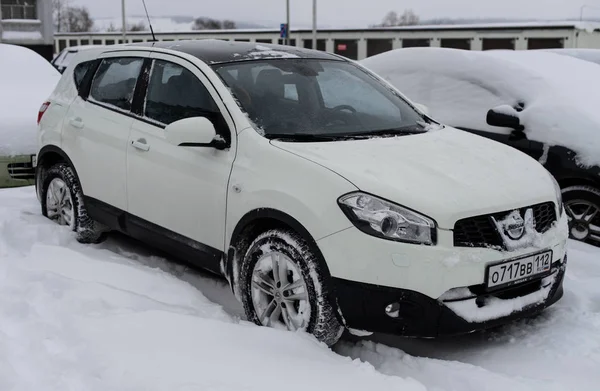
[(424, 109), (504, 116), (194, 132)]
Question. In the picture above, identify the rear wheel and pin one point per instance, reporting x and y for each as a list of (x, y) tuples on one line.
[(283, 287), (62, 201), (582, 205)]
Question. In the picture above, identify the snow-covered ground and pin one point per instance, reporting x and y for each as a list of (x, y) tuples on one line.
[(117, 316)]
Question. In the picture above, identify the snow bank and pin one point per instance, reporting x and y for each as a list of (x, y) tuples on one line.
[(106, 317), (459, 87), (75, 317), (26, 81)]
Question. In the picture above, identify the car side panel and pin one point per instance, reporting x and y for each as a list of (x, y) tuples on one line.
[(51, 126), (265, 176)]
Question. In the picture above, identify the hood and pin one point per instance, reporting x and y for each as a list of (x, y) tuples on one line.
[(446, 174)]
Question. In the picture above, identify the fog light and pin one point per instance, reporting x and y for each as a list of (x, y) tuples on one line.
[(393, 310)]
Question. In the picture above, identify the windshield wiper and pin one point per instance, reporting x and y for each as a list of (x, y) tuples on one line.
[(405, 130), (304, 137)]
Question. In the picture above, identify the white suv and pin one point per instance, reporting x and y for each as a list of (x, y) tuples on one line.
[(322, 194)]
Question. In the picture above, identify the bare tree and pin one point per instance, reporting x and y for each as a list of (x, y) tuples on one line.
[(112, 29), (390, 19), (59, 14), (212, 24), (408, 18), (78, 20), (140, 26), (228, 24)]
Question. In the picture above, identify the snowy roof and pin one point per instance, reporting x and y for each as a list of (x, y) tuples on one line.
[(559, 92), (592, 55), (213, 51)]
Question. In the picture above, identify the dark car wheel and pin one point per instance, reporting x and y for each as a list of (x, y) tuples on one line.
[(62, 201), (282, 286), (582, 204)]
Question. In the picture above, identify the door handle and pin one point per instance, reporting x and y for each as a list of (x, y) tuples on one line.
[(77, 123), (140, 144)]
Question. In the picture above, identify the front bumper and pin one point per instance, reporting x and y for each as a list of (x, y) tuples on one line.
[(404, 312)]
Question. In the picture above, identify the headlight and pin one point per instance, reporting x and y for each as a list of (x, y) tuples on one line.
[(386, 220), (558, 191)]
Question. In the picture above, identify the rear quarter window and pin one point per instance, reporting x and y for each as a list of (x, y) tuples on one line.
[(80, 71)]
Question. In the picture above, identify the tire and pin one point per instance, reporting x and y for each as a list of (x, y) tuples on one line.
[(582, 205), (62, 176), (306, 305)]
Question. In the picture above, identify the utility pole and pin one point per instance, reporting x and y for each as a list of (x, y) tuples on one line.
[(124, 21), (314, 32), (287, 37)]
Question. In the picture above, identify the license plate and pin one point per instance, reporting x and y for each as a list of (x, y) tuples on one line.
[(519, 270), (34, 161)]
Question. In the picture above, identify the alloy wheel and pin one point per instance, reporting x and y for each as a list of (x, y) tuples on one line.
[(584, 220), (59, 204), (279, 293)]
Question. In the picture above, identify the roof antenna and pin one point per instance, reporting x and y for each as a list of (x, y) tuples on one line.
[(149, 22)]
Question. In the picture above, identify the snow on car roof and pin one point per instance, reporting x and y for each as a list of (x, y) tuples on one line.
[(27, 80), (592, 55), (215, 51), (459, 87)]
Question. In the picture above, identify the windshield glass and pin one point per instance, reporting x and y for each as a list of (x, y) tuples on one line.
[(317, 98)]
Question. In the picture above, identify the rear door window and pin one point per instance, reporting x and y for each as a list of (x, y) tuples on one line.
[(115, 80)]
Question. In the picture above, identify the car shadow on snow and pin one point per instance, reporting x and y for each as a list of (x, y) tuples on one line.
[(458, 347), (216, 289)]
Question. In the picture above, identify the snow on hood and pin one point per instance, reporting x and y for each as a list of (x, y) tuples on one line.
[(26, 81), (459, 87), (447, 174)]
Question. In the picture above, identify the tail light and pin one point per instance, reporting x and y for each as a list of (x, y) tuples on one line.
[(43, 109)]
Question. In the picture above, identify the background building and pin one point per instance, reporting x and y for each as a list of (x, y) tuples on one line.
[(361, 43), (28, 23)]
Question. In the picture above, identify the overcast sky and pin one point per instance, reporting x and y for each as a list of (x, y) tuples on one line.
[(340, 13)]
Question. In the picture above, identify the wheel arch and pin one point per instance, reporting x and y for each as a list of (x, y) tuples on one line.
[(569, 180), (251, 225), (48, 156)]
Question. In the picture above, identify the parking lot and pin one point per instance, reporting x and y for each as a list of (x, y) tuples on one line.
[(118, 316), (227, 216)]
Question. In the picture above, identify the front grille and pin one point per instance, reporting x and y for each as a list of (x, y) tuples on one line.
[(24, 171), (480, 231)]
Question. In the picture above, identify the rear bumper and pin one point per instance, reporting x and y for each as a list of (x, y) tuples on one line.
[(416, 315)]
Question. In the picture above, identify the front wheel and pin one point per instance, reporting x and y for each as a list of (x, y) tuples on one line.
[(62, 201), (283, 287), (582, 204)]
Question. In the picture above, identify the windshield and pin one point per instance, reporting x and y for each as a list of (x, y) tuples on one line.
[(317, 98)]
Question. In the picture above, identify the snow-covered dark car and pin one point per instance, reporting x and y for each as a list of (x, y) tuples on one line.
[(541, 103)]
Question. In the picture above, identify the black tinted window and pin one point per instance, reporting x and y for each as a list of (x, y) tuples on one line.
[(80, 72), (175, 93), (115, 80)]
